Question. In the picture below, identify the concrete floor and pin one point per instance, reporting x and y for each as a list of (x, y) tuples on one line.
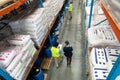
[(75, 33)]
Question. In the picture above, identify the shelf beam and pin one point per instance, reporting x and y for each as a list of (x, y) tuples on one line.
[(111, 20), (11, 7)]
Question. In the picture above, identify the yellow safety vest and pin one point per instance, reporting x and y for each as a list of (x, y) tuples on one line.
[(55, 52), (70, 7)]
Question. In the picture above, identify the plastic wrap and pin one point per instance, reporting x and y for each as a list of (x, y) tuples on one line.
[(114, 8), (102, 61), (101, 36), (99, 73), (18, 39), (6, 56), (99, 57)]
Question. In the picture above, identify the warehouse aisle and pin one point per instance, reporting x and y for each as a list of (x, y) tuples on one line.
[(74, 32)]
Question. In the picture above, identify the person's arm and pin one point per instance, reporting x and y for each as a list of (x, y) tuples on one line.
[(71, 48), (64, 49)]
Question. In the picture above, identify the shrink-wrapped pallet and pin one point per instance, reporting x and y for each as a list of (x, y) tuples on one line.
[(17, 39), (101, 36), (33, 23), (99, 73), (25, 50), (14, 63), (7, 54), (98, 57)]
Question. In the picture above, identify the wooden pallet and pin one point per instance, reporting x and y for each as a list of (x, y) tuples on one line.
[(46, 62)]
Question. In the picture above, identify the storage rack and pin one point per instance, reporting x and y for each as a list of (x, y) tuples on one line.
[(116, 28), (10, 8)]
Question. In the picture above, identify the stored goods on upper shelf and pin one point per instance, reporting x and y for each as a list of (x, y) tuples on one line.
[(98, 16), (19, 39), (114, 7), (102, 36), (3, 2), (36, 22)]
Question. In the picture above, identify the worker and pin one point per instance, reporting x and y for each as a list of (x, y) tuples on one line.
[(70, 8), (68, 52), (56, 54)]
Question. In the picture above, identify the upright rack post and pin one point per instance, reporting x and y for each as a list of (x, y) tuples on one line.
[(5, 75), (91, 10), (115, 71), (41, 3), (86, 4)]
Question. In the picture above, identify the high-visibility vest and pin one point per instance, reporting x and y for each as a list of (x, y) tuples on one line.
[(70, 7), (55, 52)]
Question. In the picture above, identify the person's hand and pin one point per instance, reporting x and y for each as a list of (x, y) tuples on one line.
[(58, 47), (66, 8)]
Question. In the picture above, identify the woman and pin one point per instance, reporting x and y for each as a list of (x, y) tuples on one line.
[(68, 52)]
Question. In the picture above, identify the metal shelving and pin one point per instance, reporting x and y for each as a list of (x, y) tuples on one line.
[(11, 7), (115, 26), (115, 71), (39, 48)]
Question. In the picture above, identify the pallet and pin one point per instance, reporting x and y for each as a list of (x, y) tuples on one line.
[(46, 62)]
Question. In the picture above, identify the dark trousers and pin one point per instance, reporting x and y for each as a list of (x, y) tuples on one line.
[(69, 59)]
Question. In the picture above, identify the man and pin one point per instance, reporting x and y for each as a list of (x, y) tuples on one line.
[(56, 54), (70, 7)]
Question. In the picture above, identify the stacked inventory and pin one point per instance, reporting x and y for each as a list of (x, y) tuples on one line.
[(32, 24), (101, 36), (101, 62), (103, 44), (52, 8), (17, 52), (16, 55), (35, 23)]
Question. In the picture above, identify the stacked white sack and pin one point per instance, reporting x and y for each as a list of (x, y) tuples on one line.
[(32, 24), (6, 56), (98, 57), (22, 40), (99, 63), (52, 9), (26, 53), (101, 36), (99, 73)]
